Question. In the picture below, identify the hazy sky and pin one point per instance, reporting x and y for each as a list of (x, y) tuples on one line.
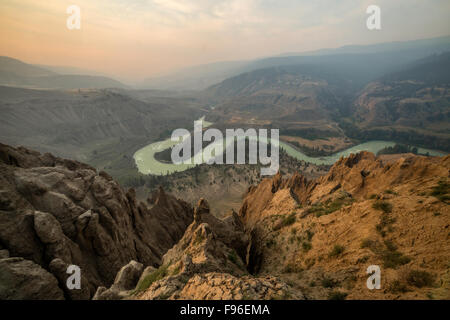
[(141, 38)]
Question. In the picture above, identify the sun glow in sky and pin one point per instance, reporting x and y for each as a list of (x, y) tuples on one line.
[(135, 39)]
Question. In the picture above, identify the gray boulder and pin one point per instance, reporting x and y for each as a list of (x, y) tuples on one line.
[(22, 279), (128, 276), (126, 280)]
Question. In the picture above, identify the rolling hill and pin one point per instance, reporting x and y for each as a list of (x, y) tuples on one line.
[(339, 98), (16, 73), (413, 103), (99, 126)]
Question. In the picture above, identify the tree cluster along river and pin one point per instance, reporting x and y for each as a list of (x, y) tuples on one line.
[(147, 164)]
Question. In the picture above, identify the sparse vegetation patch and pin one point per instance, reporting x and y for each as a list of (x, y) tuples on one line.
[(337, 295), (336, 251), (442, 191), (156, 275), (290, 219), (384, 206), (329, 206), (420, 278)]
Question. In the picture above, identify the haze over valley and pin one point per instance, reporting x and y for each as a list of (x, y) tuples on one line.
[(86, 155)]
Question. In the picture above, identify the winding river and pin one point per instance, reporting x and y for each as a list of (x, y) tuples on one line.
[(147, 164)]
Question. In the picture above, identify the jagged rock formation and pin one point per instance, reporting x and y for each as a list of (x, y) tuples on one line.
[(126, 279), (56, 212), (224, 286), (23, 279), (314, 239), (321, 235), (208, 242), (208, 263), (293, 238)]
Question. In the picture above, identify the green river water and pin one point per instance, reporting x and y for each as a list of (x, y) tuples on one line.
[(147, 164)]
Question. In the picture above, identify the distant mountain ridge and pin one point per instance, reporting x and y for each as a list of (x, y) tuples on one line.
[(439, 43), (71, 70), (16, 73), (432, 69), (394, 53)]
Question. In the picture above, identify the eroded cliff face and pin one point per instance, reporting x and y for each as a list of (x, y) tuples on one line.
[(321, 235), (293, 238), (315, 239), (209, 263), (56, 212)]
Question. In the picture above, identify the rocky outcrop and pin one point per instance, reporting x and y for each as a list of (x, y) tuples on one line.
[(126, 280), (322, 234), (56, 212), (209, 242), (292, 239), (209, 263), (59, 268), (224, 286), (22, 279), (357, 175), (128, 276)]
